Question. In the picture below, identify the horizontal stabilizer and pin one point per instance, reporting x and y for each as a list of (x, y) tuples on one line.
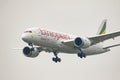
[(112, 46)]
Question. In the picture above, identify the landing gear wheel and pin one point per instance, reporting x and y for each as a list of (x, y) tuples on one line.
[(53, 59), (81, 55), (84, 55), (56, 59), (59, 59)]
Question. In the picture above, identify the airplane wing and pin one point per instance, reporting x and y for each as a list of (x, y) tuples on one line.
[(68, 43), (103, 37), (95, 39)]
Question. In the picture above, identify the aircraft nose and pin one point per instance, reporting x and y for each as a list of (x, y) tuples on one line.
[(24, 37)]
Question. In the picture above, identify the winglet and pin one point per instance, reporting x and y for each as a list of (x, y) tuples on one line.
[(102, 28)]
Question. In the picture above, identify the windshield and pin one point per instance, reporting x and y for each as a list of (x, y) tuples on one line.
[(28, 32)]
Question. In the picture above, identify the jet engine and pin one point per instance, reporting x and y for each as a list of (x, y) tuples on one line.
[(82, 42), (30, 52)]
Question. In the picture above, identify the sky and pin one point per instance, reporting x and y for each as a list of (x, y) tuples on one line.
[(77, 17)]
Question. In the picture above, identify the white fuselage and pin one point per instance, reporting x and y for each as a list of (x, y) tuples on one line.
[(53, 41)]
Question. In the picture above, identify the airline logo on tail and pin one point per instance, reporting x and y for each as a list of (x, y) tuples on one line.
[(102, 29)]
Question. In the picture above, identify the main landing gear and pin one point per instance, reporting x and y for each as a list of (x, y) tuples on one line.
[(81, 54), (56, 58)]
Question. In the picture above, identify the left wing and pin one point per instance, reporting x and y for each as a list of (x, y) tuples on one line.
[(96, 39), (103, 37)]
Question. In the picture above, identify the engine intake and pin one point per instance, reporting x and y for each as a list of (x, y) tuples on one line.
[(30, 52), (82, 43)]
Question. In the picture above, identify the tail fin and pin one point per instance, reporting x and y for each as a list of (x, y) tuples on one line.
[(102, 28)]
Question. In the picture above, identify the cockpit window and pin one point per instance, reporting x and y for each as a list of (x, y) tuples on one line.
[(28, 32)]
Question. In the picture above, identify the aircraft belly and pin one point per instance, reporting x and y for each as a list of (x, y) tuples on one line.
[(68, 50)]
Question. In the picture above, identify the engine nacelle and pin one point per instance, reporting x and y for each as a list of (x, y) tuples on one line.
[(81, 42), (30, 52)]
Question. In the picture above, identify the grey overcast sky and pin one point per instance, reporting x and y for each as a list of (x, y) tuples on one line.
[(77, 17)]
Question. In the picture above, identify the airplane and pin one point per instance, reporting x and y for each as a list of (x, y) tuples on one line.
[(40, 39)]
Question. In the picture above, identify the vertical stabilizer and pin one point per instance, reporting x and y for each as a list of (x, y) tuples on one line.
[(102, 29)]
